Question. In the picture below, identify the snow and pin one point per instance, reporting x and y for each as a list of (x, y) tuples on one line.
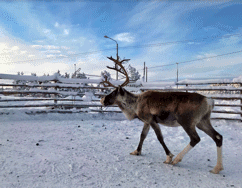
[(88, 97), (28, 77), (156, 84), (55, 77), (211, 81), (208, 81), (225, 88), (92, 150), (239, 79)]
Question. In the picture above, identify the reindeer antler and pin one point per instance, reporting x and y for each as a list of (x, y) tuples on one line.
[(121, 70), (106, 83)]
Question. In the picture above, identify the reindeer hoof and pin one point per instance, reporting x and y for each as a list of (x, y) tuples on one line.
[(176, 160), (168, 159), (136, 153), (216, 170), (167, 162)]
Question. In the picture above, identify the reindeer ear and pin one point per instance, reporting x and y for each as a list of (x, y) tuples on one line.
[(121, 90)]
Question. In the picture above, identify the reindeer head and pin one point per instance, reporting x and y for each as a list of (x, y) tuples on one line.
[(118, 91), (111, 98)]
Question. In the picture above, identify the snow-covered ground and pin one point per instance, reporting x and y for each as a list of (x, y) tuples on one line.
[(92, 150)]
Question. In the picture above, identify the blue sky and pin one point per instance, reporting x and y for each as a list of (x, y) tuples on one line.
[(46, 36)]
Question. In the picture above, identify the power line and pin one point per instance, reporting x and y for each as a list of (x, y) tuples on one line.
[(182, 41), (220, 55), (126, 47), (60, 57)]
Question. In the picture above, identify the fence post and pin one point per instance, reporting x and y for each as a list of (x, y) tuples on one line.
[(55, 100), (177, 75), (144, 73), (241, 102)]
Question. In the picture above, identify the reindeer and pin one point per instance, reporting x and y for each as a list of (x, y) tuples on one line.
[(189, 110)]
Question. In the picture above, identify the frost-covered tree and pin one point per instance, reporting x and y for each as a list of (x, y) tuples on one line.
[(133, 73), (105, 75), (21, 82), (81, 75), (67, 75)]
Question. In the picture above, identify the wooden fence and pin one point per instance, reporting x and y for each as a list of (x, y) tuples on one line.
[(51, 97), (219, 91)]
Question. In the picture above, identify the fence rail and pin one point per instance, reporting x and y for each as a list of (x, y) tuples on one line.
[(227, 91), (53, 85), (53, 105), (227, 95)]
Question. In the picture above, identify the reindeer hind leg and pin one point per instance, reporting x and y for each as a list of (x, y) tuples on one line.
[(205, 125), (194, 139)]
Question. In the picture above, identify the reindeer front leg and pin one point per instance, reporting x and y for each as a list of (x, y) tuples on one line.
[(157, 130), (143, 135)]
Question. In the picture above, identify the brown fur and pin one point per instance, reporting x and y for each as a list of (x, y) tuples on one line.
[(171, 109)]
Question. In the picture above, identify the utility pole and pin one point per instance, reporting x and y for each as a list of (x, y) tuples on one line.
[(75, 70), (117, 60), (177, 75), (144, 73), (117, 53)]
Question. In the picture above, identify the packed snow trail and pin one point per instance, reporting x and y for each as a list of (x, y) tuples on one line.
[(85, 150)]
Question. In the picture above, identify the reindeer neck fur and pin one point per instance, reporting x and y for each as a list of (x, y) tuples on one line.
[(128, 104)]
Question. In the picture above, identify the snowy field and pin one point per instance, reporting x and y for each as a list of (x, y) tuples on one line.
[(87, 150)]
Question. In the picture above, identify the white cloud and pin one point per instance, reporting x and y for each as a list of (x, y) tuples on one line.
[(23, 52), (37, 46), (14, 48), (66, 31), (65, 47), (228, 40), (206, 55), (71, 52), (51, 55), (159, 22), (51, 47), (125, 37), (61, 55), (19, 60), (3, 47), (47, 47), (49, 34), (54, 51), (57, 24), (46, 31), (142, 13), (39, 41), (52, 67), (42, 34)]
